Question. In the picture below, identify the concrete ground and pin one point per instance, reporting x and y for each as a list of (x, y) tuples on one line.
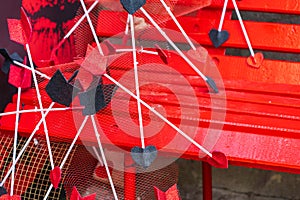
[(238, 183)]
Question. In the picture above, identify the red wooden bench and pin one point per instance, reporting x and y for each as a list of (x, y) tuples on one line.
[(262, 123)]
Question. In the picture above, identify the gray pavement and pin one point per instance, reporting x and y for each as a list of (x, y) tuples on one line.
[(238, 183)]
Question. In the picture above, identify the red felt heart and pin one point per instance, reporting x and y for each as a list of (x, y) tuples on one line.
[(256, 61), (8, 197), (15, 30), (76, 196), (26, 26), (94, 63), (19, 77), (218, 160), (162, 54), (100, 171), (170, 194), (55, 176)]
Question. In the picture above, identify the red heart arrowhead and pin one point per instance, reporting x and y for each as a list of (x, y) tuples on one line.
[(256, 61), (200, 54), (19, 77), (218, 160), (26, 26), (170, 194), (95, 63), (15, 30), (76, 196), (162, 54), (55, 176), (8, 197)]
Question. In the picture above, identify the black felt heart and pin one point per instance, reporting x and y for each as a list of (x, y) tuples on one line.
[(60, 90), (2, 191), (96, 98), (9, 58), (144, 157), (131, 6), (218, 37)]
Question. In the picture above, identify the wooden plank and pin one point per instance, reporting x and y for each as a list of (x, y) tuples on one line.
[(256, 113), (278, 6), (251, 150), (263, 36)]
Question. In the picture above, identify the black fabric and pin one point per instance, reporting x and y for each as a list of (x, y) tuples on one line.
[(9, 9)]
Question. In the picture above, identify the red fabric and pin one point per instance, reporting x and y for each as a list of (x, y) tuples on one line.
[(256, 61), (15, 30), (50, 21), (26, 26), (19, 77), (218, 159), (76, 196), (55, 176), (170, 194), (8, 197)]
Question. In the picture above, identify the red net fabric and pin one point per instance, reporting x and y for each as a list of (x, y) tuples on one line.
[(82, 168)]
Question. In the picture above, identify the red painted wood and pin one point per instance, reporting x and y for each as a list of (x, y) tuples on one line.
[(286, 7), (262, 123), (207, 181), (264, 36), (247, 149)]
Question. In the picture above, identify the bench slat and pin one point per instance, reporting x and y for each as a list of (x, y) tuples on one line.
[(279, 6)]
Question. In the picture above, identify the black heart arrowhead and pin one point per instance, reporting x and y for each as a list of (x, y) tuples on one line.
[(96, 99), (144, 157), (60, 90), (131, 6), (9, 59), (2, 191), (218, 37)]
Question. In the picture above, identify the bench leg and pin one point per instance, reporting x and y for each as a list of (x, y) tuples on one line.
[(206, 181), (129, 179)]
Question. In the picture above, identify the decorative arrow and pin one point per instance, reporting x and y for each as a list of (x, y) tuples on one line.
[(76, 196), (55, 176), (60, 90), (9, 59), (144, 156), (19, 76), (257, 62), (209, 82), (170, 194), (2, 191), (164, 57), (68, 152), (96, 98), (131, 6), (219, 37), (218, 160)]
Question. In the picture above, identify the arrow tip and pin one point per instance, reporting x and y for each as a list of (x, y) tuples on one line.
[(2, 191), (212, 84)]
